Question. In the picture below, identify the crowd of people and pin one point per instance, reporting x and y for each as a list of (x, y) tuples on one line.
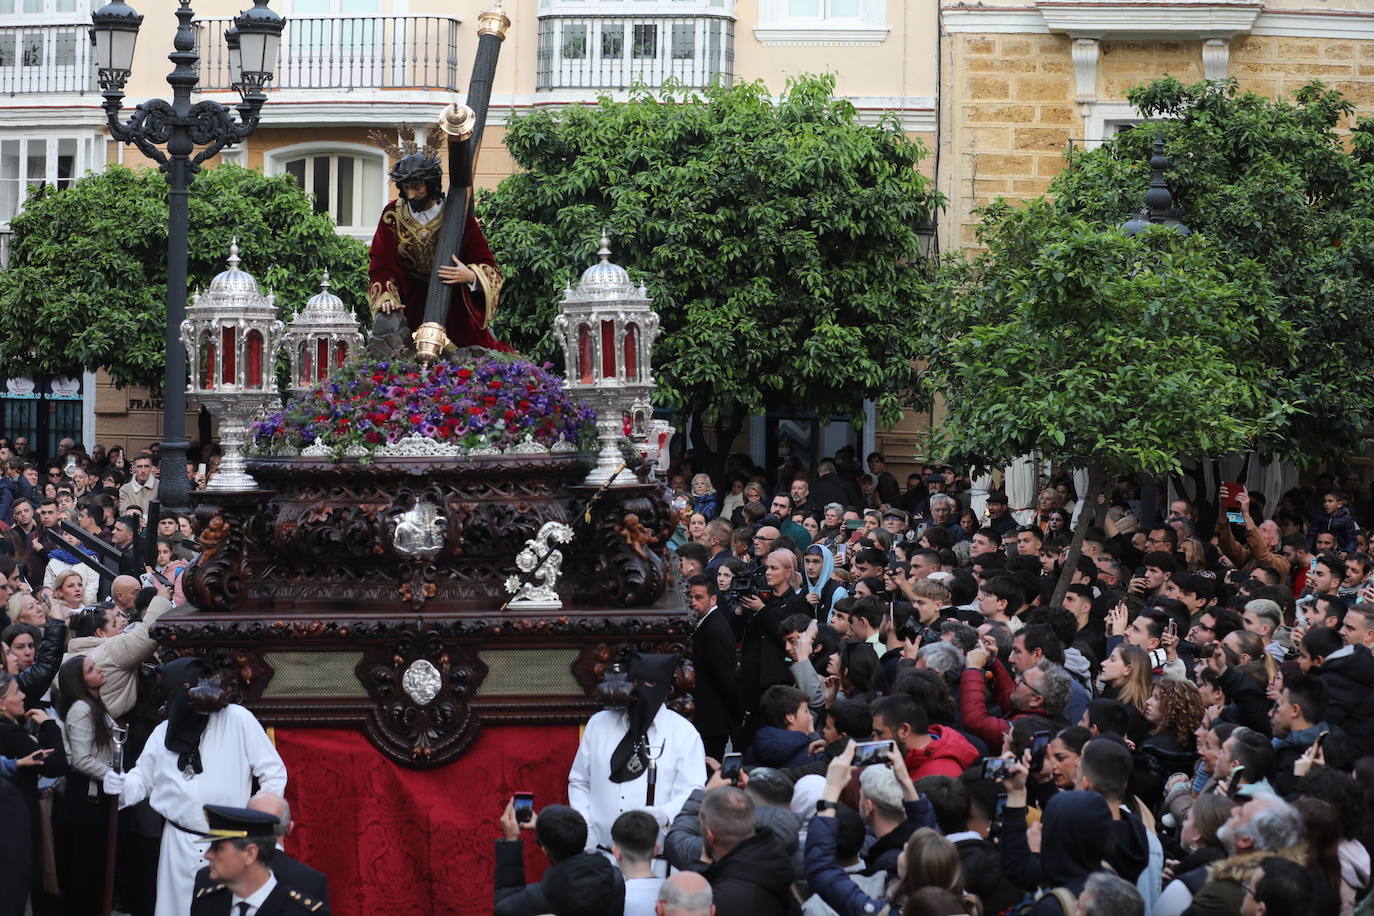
[(103, 794), (895, 711)]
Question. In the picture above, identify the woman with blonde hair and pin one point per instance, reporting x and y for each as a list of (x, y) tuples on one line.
[(753, 493), (1194, 554), (705, 499), (1045, 504), (69, 589), (1126, 678)]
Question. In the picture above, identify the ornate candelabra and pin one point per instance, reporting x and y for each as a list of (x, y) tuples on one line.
[(232, 334), (180, 127), (607, 328)]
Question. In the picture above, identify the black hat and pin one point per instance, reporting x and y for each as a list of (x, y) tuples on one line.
[(935, 478), (995, 497), (237, 823)]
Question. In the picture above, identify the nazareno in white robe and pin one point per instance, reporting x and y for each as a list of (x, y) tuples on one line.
[(234, 749), (681, 768)]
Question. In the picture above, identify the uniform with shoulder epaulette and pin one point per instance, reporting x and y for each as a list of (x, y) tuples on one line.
[(215, 899)]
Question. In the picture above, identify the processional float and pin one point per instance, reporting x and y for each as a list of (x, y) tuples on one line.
[(430, 587)]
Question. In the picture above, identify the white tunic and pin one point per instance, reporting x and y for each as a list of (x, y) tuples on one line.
[(681, 768), (233, 750)]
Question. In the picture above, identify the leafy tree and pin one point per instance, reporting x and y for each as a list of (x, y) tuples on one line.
[(1102, 351), (87, 279), (1274, 181), (776, 238)]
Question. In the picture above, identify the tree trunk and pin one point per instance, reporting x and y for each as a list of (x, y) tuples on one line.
[(713, 459), (1097, 481)]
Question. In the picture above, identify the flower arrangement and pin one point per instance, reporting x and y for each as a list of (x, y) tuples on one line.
[(497, 400)]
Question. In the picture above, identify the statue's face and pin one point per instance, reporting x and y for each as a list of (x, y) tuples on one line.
[(416, 194)]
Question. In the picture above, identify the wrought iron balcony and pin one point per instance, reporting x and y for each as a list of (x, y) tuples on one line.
[(347, 52), (614, 52), (45, 58)]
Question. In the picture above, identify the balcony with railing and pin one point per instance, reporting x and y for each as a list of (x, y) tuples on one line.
[(615, 52), (347, 52), (45, 59)]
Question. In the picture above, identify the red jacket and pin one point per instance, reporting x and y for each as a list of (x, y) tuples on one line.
[(973, 706), (948, 755)]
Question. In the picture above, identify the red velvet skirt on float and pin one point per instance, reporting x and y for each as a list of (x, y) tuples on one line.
[(403, 841)]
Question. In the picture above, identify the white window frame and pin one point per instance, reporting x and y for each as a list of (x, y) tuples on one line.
[(88, 146), (778, 27), (1104, 120), (274, 163)]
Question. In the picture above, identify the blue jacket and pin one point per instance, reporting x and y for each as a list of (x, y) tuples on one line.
[(779, 748), (1340, 524), (828, 879)]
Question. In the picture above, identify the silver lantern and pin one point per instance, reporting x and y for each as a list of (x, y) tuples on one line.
[(323, 336), (232, 335), (607, 328)]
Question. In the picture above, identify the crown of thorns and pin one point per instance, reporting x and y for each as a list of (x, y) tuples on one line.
[(404, 144)]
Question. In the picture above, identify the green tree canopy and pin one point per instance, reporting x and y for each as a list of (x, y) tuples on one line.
[(777, 238), (1102, 351), (87, 280), (1276, 182)]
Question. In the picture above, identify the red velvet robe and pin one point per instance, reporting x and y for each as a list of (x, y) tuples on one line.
[(401, 257)]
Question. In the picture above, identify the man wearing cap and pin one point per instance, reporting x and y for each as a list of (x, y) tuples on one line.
[(999, 517), (207, 752), (241, 880), (895, 523), (611, 772)]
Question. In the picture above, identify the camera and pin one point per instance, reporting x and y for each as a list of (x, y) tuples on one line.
[(748, 584), (1040, 742)]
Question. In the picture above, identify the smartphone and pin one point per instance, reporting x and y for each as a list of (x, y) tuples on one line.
[(1318, 742), (729, 768), (1230, 505), (996, 768), (853, 524), (524, 807), (841, 550), (1233, 786), (200, 470), (910, 629), (1040, 743), (869, 753), (1173, 628)]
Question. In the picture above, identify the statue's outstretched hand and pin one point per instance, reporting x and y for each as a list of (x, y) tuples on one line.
[(458, 272)]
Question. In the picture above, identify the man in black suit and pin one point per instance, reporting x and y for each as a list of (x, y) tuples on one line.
[(240, 880), (719, 709), (290, 871)]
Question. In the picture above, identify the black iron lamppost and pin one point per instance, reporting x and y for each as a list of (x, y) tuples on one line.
[(180, 127), (1159, 210), (1159, 207)]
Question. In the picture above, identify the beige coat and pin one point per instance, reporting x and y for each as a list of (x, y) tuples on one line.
[(119, 657)]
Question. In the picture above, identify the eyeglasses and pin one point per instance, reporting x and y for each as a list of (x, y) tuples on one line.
[(763, 540), (1021, 679)]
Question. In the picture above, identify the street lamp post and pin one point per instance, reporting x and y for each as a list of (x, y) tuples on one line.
[(180, 127)]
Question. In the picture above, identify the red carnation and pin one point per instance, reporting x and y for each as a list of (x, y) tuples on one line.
[(474, 410), (524, 405), (495, 383), (465, 373)]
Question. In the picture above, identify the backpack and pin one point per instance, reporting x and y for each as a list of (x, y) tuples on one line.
[(1067, 902)]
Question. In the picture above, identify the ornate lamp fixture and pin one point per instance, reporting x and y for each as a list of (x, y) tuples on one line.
[(607, 329), (1159, 209), (323, 336), (232, 335)]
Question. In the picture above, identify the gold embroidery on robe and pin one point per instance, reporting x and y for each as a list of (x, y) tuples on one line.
[(384, 297), (490, 279)]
